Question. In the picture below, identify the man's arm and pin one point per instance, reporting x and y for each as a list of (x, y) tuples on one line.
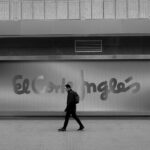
[(70, 102)]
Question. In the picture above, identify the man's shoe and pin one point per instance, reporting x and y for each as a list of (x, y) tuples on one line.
[(81, 128), (62, 129)]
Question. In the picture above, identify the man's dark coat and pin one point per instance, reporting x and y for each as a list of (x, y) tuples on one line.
[(71, 105)]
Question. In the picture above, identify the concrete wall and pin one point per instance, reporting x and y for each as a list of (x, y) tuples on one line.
[(73, 9)]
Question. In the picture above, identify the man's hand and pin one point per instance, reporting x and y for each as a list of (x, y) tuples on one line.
[(65, 110)]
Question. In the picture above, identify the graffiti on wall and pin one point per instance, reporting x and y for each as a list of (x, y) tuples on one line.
[(23, 85)]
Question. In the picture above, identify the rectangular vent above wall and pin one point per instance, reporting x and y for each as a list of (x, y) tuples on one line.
[(88, 46)]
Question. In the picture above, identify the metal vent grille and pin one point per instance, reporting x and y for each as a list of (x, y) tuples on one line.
[(90, 46)]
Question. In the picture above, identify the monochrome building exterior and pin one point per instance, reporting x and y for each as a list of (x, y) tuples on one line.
[(100, 47)]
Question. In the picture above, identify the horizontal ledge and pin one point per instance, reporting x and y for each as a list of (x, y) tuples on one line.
[(74, 57), (80, 113), (75, 27), (74, 35)]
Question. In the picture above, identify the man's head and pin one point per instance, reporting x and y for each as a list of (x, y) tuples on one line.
[(68, 87)]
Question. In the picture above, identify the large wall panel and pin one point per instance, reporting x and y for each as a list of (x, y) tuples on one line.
[(97, 9), (27, 9), (4, 10), (15, 10), (121, 9), (104, 87), (38, 9), (133, 8), (50, 9), (109, 9), (62, 9), (74, 6)]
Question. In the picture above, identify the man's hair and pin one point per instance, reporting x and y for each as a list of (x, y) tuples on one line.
[(68, 86)]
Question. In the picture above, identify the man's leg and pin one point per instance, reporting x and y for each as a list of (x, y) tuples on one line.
[(78, 120), (66, 120)]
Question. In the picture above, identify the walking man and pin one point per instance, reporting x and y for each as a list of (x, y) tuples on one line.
[(71, 109)]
